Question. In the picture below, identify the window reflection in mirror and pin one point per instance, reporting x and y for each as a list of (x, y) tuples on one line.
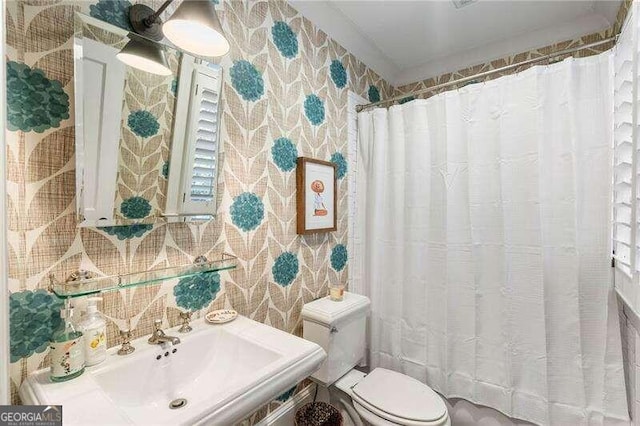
[(192, 187), (147, 144)]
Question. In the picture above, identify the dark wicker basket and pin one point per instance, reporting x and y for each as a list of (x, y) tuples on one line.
[(318, 414)]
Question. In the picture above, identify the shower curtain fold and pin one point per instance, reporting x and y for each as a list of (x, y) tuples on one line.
[(485, 217)]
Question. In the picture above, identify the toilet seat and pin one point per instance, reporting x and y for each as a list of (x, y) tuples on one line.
[(397, 399), (377, 420)]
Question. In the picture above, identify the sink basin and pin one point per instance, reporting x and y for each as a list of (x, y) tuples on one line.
[(224, 372)]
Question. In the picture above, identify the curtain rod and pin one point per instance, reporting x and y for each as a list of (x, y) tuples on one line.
[(360, 108)]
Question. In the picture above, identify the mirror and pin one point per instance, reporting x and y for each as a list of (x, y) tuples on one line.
[(147, 144)]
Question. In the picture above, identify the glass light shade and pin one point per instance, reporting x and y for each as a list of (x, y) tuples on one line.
[(195, 27), (145, 56)]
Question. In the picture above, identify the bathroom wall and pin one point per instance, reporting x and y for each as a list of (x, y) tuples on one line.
[(284, 95), (498, 63)]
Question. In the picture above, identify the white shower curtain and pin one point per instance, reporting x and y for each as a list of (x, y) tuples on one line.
[(485, 215)]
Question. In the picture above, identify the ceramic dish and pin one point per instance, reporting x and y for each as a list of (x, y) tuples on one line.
[(221, 316)]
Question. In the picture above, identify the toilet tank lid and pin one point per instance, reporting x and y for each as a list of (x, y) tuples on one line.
[(327, 312)]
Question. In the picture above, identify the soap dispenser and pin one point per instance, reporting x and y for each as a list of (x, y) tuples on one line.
[(93, 327), (67, 355)]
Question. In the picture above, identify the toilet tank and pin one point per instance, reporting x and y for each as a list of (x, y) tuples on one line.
[(340, 328)]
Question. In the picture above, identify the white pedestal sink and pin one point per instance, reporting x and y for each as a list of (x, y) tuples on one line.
[(224, 372)]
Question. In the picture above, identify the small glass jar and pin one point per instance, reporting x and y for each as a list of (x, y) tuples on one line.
[(336, 292)]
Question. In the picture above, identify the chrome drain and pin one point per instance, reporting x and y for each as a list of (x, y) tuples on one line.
[(177, 403)]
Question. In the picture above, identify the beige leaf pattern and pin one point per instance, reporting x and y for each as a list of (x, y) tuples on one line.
[(51, 154), (54, 63), (51, 199), (52, 244), (39, 37)]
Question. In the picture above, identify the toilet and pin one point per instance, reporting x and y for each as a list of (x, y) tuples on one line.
[(380, 398)]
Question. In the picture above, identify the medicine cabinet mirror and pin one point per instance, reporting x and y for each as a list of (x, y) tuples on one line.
[(147, 144)]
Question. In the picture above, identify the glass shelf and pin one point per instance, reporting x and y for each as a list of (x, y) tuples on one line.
[(82, 284)]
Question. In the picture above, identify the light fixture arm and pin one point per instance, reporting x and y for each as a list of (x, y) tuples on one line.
[(146, 21), (152, 19)]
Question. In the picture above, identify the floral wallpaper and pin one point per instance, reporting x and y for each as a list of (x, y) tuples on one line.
[(284, 95), (143, 123), (145, 138), (197, 291), (374, 94), (285, 154), (341, 164), (112, 11), (33, 101), (34, 317)]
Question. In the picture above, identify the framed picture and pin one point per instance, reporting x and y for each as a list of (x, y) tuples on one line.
[(316, 196)]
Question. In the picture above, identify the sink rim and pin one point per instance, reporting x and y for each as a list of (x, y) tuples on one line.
[(102, 376), (299, 358)]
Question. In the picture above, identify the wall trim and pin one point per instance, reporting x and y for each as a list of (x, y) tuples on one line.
[(285, 413), (5, 388)]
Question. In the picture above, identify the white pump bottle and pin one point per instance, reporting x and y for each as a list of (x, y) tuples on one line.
[(94, 328)]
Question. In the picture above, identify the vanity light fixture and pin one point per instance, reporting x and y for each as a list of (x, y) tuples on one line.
[(144, 55), (193, 27)]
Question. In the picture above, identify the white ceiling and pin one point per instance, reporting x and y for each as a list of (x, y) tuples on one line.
[(408, 41)]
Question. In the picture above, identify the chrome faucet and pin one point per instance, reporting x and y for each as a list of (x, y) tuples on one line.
[(159, 337)]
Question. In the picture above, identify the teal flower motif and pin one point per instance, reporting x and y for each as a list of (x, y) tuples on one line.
[(407, 99), (284, 397), (284, 154), (314, 109), (33, 101), (135, 208), (341, 164), (143, 123), (285, 269), (174, 86), (33, 317), (285, 39), (197, 291), (115, 12), (215, 1), (374, 94), (126, 232), (247, 80), (165, 170), (247, 211), (338, 74), (339, 257)]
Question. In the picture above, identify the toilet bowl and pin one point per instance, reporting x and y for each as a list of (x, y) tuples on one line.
[(402, 400), (379, 398)]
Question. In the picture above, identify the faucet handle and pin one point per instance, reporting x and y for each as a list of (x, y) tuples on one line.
[(185, 317), (157, 324), (126, 347)]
